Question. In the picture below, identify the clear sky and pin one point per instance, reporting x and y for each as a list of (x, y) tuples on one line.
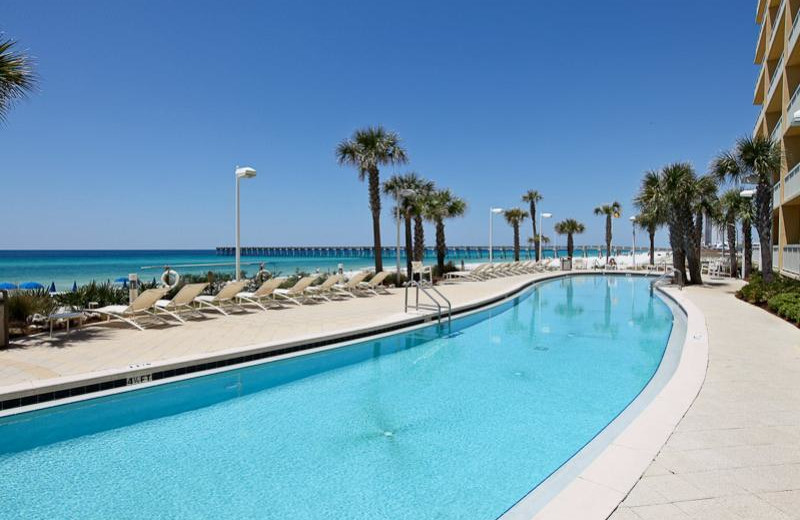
[(145, 108)]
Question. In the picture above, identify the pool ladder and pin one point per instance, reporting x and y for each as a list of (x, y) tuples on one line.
[(668, 274), (440, 302)]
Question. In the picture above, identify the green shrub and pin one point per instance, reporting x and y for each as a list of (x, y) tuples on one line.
[(21, 305), (786, 305), (758, 292), (392, 279), (103, 294)]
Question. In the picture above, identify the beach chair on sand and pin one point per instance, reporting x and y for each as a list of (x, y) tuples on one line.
[(265, 292), (142, 306), (226, 296), (297, 293), (325, 289), (182, 302), (350, 287), (375, 284)]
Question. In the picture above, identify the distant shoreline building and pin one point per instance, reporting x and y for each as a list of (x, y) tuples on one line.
[(778, 93)]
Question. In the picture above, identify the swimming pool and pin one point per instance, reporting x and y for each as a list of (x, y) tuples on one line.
[(422, 424)]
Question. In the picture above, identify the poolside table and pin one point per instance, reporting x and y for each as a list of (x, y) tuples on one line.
[(52, 318)]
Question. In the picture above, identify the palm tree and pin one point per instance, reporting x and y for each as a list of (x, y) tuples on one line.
[(649, 223), (613, 210), (728, 211), (367, 150), (746, 216), (439, 206), (532, 197), (703, 201), (515, 217), (395, 187), (569, 227), (17, 78), (418, 209), (755, 160)]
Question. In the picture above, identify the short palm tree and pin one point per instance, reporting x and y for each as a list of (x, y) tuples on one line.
[(396, 187), (417, 210), (569, 227), (728, 212), (532, 197), (613, 210), (515, 217), (17, 78), (703, 202), (755, 160), (367, 150), (440, 206), (649, 223), (651, 213)]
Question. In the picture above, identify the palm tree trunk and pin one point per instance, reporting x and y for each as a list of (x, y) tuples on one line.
[(441, 246), (747, 253), (419, 239), (535, 238), (375, 207), (409, 250), (570, 245), (763, 224), (732, 253), (516, 242), (652, 234), (692, 247), (608, 237), (676, 233)]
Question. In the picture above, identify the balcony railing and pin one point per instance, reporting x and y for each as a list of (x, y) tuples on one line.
[(775, 25), (776, 195), (773, 79), (776, 132), (793, 32), (791, 259), (793, 101), (791, 184), (775, 250)]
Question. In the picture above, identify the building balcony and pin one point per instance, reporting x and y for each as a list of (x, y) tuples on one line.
[(794, 32), (775, 78), (777, 131), (791, 185), (776, 38), (775, 255), (776, 195), (791, 259)]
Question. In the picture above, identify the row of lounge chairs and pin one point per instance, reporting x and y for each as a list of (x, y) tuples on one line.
[(488, 271), (189, 300)]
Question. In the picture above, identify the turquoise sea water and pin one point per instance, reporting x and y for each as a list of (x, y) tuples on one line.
[(67, 267), (421, 425)]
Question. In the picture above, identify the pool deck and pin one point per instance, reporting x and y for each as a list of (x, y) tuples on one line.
[(734, 454)]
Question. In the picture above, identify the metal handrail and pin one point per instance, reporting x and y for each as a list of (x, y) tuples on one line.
[(671, 271), (437, 306)]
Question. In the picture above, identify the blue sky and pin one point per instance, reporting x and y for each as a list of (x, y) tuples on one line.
[(144, 110)]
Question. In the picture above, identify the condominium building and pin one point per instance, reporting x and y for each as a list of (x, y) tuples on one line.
[(778, 93)]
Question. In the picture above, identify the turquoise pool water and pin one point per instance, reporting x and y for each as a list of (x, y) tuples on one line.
[(425, 424)]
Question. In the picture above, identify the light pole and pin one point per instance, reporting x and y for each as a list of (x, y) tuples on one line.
[(245, 172), (541, 236), (492, 213), (402, 195), (633, 253)]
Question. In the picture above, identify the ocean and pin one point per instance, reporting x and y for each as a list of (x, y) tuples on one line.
[(65, 267)]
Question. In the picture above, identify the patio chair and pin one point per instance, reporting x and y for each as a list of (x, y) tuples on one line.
[(375, 284), (350, 287), (226, 296), (297, 293), (265, 292), (182, 302), (325, 289), (142, 306)]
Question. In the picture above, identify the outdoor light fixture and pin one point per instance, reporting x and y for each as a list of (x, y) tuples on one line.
[(492, 213), (245, 172)]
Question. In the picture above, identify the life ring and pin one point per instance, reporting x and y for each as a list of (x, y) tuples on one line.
[(170, 273)]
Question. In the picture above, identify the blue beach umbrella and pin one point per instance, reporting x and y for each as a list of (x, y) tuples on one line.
[(123, 280), (8, 286), (74, 286), (52, 288), (31, 285)]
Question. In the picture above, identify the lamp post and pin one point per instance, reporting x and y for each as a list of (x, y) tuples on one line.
[(541, 236), (492, 213), (633, 253), (245, 172), (402, 195)]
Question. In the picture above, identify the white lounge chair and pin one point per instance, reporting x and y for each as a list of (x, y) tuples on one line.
[(226, 296), (472, 275), (375, 284), (265, 292), (297, 293), (350, 287), (182, 302), (325, 289), (142, 306)]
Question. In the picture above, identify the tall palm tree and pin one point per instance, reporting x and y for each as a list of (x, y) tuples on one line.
[(703, 201), (651, 212), (439, 206), (728, 212), (515, 217), (569, 227), (17, 78), (613, 210), (395, 187), (532, 197), (755, 160), (367, 150), (418, 209), (747, 215)]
